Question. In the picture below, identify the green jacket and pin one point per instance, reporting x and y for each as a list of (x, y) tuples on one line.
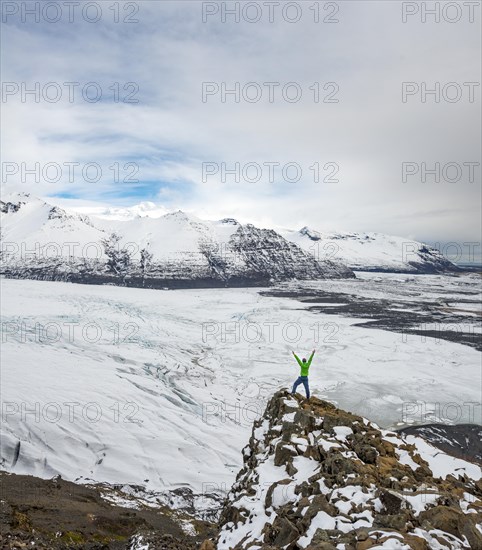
[(305, 367)]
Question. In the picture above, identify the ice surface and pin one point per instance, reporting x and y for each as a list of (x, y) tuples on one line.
[(160, 389)]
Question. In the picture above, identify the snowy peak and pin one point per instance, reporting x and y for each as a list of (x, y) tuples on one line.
[(12, 202), (179, 215), (10, 207), (145, 209), (56, 213)]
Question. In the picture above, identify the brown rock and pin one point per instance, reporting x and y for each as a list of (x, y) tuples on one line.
[(336, 464), (340, 418), (288, 430), (321, 541), (386, 464), (321, 546), (305, 420), (320, 536), (283, 532), (366, 453), (312, 452), (386, 448), (283, 454), (416, 543), (391, 503), (422, 472), (290, 469), (397, 522), (466, 527), (362, 535), (318, 504), (443, 518)]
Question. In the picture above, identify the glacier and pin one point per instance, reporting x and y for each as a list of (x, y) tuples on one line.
[(159, 389)]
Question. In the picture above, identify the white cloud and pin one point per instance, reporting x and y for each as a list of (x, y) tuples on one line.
[(171, 132)]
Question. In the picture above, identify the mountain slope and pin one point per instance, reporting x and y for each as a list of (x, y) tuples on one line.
[(31, 227), (371, 251), (316, 477), (45, 242)]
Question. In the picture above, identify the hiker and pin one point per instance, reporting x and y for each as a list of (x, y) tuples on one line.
[(303, 377)]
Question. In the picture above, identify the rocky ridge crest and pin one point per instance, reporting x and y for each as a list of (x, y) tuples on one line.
[(319, 478)]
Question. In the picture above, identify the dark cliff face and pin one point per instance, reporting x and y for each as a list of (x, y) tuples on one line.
[(317, 478), (431, 261), (264, 251)]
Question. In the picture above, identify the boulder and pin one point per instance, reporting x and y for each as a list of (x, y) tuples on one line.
[(284, 454), (282, 533), (443, 518), (392, 503), (367, 453)]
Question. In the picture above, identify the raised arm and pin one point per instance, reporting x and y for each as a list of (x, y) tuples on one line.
[(311, 358), (297, 358)]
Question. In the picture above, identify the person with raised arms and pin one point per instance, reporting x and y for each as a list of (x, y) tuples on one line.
[(303, 377)]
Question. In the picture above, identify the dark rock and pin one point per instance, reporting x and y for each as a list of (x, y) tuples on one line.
[(288, 430), (336, 464), (466, 527), (397, 522), (391, 503), (283, 454), (318, 504), (282, 533), (443, 518), (366, 453), (305, 420)]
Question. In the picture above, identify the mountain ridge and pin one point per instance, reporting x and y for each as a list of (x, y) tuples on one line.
[(178, 249), (316, 477)]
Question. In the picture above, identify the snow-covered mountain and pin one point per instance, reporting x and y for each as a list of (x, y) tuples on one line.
[(43, 241), (371, 251)]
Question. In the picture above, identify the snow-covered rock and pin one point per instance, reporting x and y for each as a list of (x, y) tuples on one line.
[(315, 477)]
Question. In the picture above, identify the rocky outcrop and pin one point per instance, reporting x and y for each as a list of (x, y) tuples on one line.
[(318, 478), (265, 251), (8, 207)]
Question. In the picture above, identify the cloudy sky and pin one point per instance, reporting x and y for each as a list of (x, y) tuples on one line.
[(325, 144)]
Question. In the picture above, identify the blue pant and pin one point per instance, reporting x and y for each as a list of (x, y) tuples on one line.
[(302, 380)]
